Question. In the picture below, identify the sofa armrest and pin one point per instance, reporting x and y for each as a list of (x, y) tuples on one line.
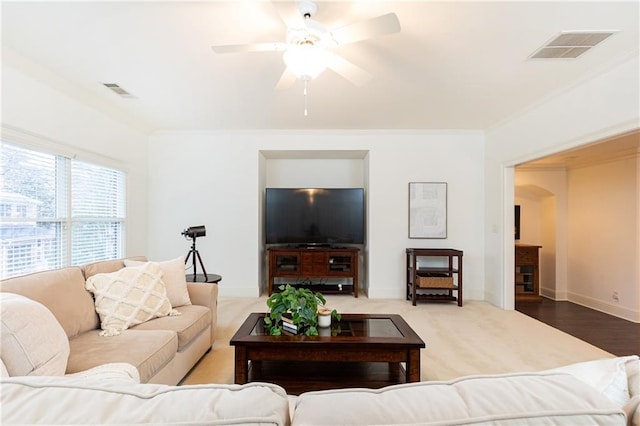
[(206, 294)]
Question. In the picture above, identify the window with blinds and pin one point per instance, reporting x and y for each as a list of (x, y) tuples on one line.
[(56, 211)]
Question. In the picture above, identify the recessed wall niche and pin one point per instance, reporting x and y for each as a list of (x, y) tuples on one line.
[(312, 169)]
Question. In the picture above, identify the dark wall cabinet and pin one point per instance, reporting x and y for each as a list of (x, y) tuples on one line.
[(527, 273)]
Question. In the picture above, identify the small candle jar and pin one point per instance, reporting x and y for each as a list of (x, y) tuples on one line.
[(324, 318)]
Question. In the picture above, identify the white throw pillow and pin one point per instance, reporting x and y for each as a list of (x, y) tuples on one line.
[(129, 296), (174, 278), (609, 376), (33, 343)]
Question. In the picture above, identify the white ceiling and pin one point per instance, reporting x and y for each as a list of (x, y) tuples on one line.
[(454, 65)]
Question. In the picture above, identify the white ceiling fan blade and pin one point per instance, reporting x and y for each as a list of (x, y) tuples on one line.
[(383, 24), (250, 47), (348, 70), (286, 80)]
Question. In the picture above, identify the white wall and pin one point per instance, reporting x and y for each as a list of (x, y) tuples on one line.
[(215, 178), (550, 271), (67, 124), (603, 230), (530, 224), (603, 106), (314, 173), (548, 216)]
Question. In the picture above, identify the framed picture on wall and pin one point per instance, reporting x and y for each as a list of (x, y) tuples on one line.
[(427, 210)]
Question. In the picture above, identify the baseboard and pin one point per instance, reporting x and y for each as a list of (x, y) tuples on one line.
[(552, 294), (549, 293), (607, 308)]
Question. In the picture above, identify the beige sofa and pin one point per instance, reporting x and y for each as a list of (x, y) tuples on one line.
[(163, 350), (603, 392)]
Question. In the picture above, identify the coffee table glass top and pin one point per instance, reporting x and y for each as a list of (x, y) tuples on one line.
[(359, 327)]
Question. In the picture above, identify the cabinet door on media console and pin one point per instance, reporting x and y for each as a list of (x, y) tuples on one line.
[(285, 263), (314, 263), (342, 264)]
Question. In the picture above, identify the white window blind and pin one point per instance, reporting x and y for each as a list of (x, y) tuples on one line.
[(55, 211)]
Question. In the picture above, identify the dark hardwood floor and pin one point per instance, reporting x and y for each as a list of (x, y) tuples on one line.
[(615, 335)]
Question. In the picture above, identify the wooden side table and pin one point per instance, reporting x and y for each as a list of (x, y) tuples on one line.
[(445, 276), (199, 278)]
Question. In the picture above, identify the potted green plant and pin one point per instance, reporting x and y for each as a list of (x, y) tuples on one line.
[(299, 306)]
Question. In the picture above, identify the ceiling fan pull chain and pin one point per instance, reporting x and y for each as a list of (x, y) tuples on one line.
[(306, 112)]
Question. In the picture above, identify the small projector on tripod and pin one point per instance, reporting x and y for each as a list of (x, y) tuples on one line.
[(194, 232)]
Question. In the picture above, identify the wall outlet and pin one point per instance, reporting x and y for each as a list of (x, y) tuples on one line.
[(615, 297)]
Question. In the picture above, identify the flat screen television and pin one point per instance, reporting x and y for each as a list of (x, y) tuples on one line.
[(314, 216)]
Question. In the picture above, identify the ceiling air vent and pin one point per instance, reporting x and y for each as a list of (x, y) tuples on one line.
[(570, 45), (118, 90)]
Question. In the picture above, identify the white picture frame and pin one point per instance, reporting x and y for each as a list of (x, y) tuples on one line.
[(427, 210)]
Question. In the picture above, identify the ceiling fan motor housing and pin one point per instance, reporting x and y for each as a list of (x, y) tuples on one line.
[(307, 8)]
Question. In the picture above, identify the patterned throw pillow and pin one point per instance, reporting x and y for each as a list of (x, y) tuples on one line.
[(174, 278), (129, 296)]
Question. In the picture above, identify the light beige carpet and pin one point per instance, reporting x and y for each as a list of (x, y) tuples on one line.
[(477, 338)]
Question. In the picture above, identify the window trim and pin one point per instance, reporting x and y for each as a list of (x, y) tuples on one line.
[(47, 145)]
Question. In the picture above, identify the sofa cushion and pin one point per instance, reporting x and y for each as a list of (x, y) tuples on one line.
[(616, 378), (129, 296), (53, 400), (633, 376), (32, 340), (632, 410), (148, 351), (193, 320), (107, 266), (122, 371), (523, 399), (173, 275), (62, 292)]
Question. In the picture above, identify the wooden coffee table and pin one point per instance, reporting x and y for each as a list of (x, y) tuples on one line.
[(359, 351)]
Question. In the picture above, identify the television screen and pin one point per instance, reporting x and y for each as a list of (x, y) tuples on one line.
[(314, 216)]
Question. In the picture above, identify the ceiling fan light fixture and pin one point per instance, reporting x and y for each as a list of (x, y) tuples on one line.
[(305, 60)]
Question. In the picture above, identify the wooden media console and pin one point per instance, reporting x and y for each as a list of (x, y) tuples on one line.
[(304, 263)]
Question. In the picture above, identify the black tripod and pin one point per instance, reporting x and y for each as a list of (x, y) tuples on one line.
[(194, 253)]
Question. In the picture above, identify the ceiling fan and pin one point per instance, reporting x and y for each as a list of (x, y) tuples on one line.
[(308, 44)]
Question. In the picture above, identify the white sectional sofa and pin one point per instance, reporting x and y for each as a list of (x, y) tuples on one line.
[(603, 392)]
